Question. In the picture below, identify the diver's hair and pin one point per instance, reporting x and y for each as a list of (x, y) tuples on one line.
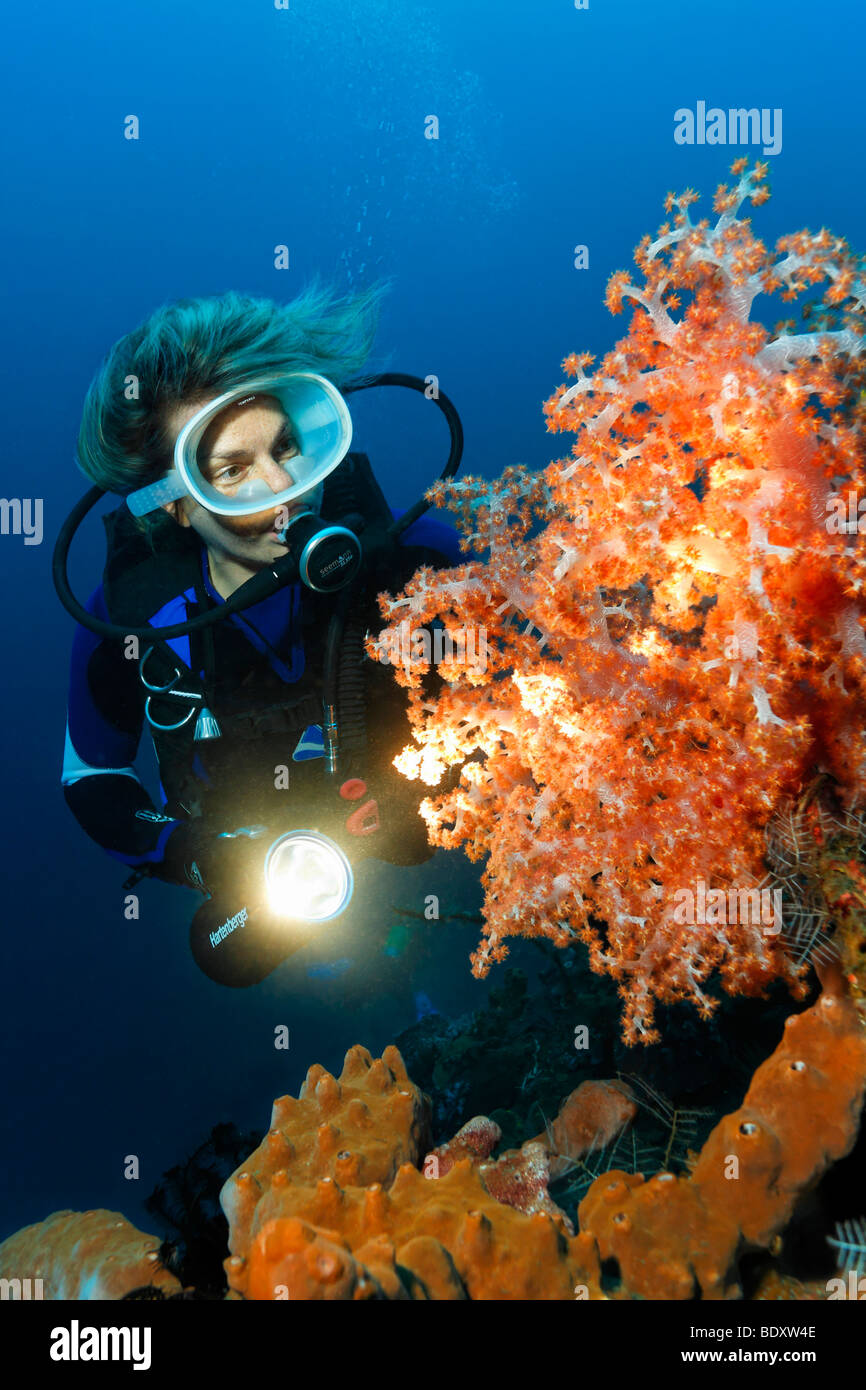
[(191, 350)]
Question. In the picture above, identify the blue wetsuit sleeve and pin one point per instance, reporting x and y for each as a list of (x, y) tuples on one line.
[(103, 731)]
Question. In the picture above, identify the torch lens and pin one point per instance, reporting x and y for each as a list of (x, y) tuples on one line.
[(307, 876)]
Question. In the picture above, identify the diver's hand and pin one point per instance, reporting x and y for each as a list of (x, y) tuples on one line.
[(217, 862)]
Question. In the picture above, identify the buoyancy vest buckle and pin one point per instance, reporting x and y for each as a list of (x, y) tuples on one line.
[(206, 726)]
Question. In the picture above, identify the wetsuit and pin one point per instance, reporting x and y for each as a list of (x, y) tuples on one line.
[(267, 764)]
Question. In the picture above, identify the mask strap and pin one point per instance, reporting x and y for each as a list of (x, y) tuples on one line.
[(148, 499)]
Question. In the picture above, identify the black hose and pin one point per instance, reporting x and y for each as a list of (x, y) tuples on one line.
[(449, 410), (260, 586)]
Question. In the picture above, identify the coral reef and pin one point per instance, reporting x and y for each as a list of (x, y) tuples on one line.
[(87, 1255), (516, 1057), (673, 1236), (420, 1239), (475, 1140), (339, 1165), (591, 1118), (518, 1177), (342, 1200), (816, 851), (673, 621), (357, 1130)]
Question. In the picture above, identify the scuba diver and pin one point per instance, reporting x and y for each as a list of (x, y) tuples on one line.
[(239, 588)]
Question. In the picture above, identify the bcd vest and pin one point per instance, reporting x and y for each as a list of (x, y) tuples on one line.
[(261, 716)]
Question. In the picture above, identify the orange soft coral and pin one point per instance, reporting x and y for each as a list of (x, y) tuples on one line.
[(671, 619)]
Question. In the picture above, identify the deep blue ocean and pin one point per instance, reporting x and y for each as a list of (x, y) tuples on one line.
[(305, 126)]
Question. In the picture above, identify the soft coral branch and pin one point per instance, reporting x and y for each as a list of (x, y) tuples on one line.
[(674, 634)]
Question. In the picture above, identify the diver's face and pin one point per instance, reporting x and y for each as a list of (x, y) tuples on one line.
[(251, 440)]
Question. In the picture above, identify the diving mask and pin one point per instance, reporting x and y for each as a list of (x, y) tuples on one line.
[(322, 433)]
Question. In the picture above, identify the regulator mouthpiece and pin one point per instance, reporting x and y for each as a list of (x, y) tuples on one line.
[(328, 555)]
